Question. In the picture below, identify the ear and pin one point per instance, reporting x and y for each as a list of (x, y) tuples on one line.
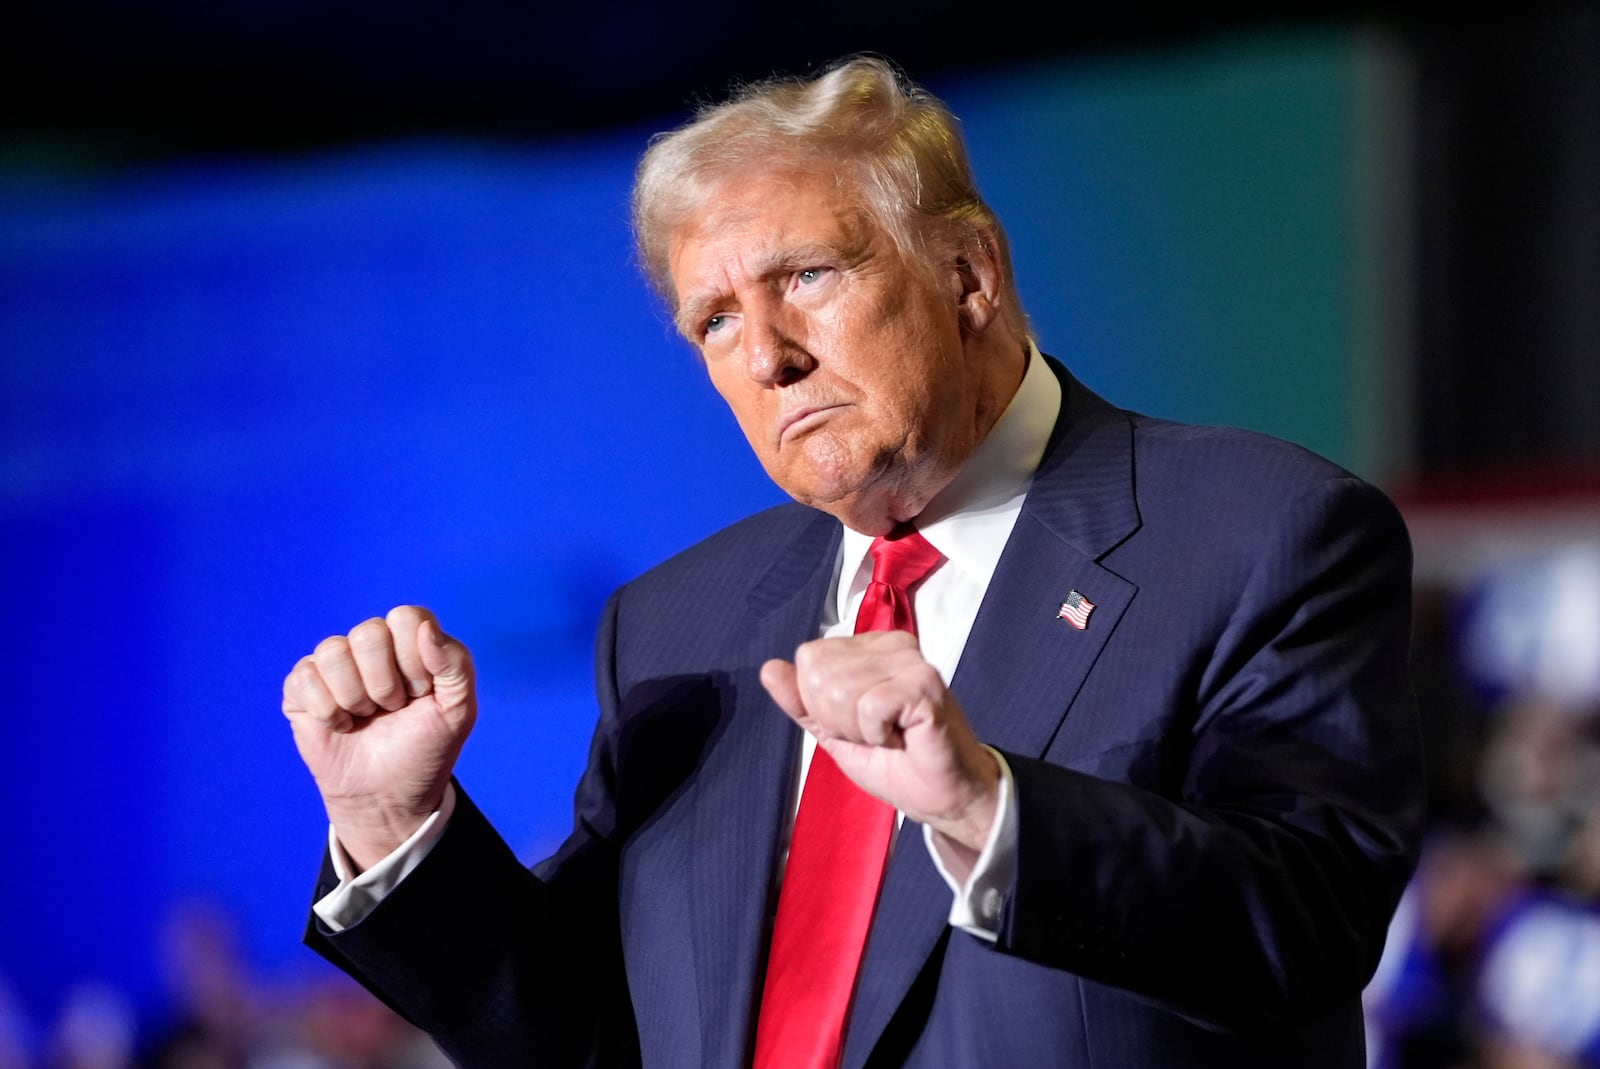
[(979, 283)]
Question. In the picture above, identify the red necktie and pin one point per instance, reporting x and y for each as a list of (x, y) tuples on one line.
[(836, 861)]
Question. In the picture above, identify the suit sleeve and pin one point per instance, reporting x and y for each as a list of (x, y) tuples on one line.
[(1259, 888), (502, 965)]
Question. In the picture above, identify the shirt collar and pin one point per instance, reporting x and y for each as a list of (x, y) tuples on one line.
[(970, 520)]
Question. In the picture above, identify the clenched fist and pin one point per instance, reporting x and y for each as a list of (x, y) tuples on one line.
[(379, 716), (887, 719)]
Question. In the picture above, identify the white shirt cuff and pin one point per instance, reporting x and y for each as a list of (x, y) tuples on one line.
[(977, 905), (355, 897)]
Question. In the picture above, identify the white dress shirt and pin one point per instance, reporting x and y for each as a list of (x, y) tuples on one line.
[(969, 522)]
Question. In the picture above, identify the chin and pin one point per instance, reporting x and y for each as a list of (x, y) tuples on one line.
[(822, 485), (867, 510), (867, 498)]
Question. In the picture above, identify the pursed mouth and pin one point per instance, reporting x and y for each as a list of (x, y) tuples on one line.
[(804, 419)]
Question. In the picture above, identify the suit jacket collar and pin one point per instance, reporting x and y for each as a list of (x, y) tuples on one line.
[(1083, 491)]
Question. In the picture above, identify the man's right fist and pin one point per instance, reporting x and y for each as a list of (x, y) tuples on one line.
[(379, 716)]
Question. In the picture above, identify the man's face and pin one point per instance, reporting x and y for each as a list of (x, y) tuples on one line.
[(845, 364)]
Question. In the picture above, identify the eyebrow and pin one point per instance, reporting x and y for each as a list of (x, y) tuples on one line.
[(782, 261), (693, 312)]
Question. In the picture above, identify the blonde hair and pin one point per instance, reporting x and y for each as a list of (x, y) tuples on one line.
[(893, 146)]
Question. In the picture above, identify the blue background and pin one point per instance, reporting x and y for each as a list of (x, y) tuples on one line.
[(245, 403)]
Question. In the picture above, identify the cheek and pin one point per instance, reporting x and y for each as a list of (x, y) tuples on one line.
[(908, 358), (747, 408)]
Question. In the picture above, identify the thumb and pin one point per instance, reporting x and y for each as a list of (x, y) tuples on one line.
[(782, 682), (448, 662)]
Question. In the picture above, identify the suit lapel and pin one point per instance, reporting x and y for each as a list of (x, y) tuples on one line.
[(1023, 664), (742, 792), (1021, 667)]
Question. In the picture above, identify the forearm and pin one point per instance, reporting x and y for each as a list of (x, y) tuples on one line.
[(498, 966), (1229, 918)]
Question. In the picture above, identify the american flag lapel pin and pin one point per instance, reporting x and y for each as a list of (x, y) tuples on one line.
[(1075, 610)]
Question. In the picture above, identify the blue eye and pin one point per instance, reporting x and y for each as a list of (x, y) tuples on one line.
[(810, 275), (716, 323)]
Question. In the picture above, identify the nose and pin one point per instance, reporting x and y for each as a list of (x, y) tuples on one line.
[(774, 355)]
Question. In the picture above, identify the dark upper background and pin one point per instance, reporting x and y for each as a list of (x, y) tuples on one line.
[(169, 77)]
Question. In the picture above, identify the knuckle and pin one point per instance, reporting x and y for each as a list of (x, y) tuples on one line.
[(840, 692), (877, 705), (405, 616), (369, 634), (302, 672), (332, 646), (328, 715), (814, 679)]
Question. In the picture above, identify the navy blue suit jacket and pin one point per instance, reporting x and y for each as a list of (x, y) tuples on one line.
[(1218, 789)]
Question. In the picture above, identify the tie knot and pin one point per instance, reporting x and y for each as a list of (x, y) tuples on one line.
[(902, 558)]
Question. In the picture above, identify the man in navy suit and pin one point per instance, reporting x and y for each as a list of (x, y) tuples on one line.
[(1151, 751)]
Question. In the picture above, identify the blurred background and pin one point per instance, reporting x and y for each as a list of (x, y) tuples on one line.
[(309, 309)]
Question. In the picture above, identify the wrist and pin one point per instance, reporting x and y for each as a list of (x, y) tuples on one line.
[(371, 833), (961, 836)]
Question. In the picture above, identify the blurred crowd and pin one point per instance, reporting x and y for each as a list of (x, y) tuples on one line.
[(1493, 961), (217, 1015)]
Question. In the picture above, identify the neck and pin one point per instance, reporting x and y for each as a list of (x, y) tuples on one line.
[(901, 493)]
